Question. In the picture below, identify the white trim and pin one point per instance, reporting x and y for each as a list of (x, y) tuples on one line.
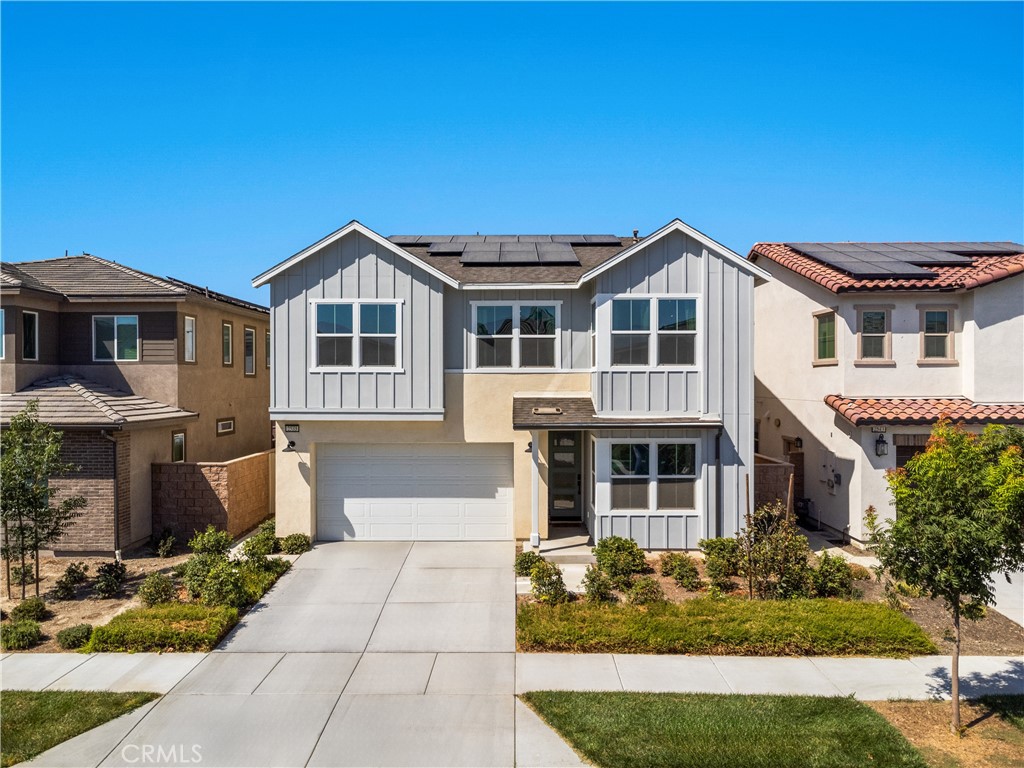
[(306, 414), (357, 336), (516, 335), (247, 329), (535, 489), (227, 430), (230, 359), (519, 286), (3, 333), (115, 358), (604, 475), (184, 339), (352, 226)]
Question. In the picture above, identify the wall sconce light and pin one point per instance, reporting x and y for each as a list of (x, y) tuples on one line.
[(290, 448), (881, 447), (799, 442), (529, 447)]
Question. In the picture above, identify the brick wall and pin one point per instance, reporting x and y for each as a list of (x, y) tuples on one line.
[(94, 479), (231, 495), (771, 480), (124, 489)]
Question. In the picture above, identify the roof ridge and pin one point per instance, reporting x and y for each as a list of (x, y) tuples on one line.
[(93, 400), (131, 270)]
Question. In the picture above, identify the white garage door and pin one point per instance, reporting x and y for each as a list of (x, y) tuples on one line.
[(414, 492)]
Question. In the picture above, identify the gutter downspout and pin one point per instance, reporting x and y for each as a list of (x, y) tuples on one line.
[(718, 482), (117, 516)]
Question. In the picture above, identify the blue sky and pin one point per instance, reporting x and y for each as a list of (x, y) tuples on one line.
[(210, 141)]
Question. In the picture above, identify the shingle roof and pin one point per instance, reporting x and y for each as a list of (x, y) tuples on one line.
[(13, 277), (199, 290), (984, 270), (577, 412), (89, 276), (862, 411), (69, 401)]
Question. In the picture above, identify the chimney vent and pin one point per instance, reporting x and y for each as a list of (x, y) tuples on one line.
[(636, 235)]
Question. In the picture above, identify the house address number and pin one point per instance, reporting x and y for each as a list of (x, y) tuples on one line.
[(873, 429), (291, 427)]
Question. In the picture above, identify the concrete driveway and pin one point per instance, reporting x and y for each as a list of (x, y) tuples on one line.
[(382, 654)]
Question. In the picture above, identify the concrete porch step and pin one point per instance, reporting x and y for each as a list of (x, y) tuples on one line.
[(569, 558)]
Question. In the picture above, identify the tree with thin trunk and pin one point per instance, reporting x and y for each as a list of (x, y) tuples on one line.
[(30, 455), (959, 520)]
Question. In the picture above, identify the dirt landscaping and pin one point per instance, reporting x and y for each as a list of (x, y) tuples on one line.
[(87, 607)]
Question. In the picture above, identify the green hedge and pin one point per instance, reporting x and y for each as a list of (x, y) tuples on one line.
[(165, 627), (729, 626)]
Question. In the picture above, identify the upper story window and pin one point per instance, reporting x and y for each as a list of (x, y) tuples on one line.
[(266, 356), (29, 335), (115, 337), (190, 339), (674, 321), (516, 335), (936, 334), (226, 344), (874, 334), (249, 351), (356, 334), (3, 341), (825, 337)]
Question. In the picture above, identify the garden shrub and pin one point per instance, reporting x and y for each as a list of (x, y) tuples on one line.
[(525, 562), (774, 556), (645, 590), (620, 558), (74, 637), (32, 608), (66, 585), (26, 575), (20, 635), (257, 579), (296, 544), (163, 545), (860, 573), (597, 587), (682, 568), (195, 570), (833, 577), (721, 561), (165, 627), (157, 588), (224, 585), (547, 583), (210, 542), (257, 548), (110, 578)]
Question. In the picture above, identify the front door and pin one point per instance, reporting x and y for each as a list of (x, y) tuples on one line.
[(565, 477)]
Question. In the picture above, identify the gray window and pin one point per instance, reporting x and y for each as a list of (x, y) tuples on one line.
[(115, 337), (936, 334), (677, 472), (334, 335), (677, 331), (267, 355), (249, 350), (630, 475), (29, 335), (494, 334), (178, 446), (226, 349), (631, 331), (378, 334), (872, 334), (190, 339), (537, 336), (3, 341), (357, 334)]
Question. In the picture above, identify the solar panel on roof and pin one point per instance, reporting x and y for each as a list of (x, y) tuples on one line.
[(404, 239), (446, 248)]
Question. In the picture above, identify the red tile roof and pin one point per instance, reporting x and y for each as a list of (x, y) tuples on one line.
[(984, 270), (862, 411)]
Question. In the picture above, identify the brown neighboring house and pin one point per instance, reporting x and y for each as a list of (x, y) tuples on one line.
[(135, 370)]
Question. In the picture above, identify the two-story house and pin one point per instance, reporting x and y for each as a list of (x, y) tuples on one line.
[(487, 387), (862, 347), (135, 370)]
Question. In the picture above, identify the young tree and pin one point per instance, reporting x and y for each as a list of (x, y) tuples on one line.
[(29, 457), (959, 519)]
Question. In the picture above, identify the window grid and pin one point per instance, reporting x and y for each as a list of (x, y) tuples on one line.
[(356, 335), (671, 484), (516, 334), (654, 331), (936, 334)]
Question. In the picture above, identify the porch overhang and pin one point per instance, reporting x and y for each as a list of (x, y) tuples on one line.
[(562, 412)]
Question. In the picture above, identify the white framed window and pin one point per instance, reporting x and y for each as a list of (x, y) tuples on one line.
[(227, 352), (654, 331), (677, 476), (357, 333), (178, 453), (225, 427), (249, 351), (266, 355), (189, 336), (29, 335), (516, 334), (631, 332), (654, 475), (115, 338), (874, 334), (936, 334), (677, 332), (630, 476), (3, 339)]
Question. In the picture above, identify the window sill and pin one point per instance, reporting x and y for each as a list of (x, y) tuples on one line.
[(874, 363), (352, 369), (824, 363), (938, 362), (497, 369)]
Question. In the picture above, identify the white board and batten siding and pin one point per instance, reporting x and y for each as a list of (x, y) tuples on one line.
[(356, 267), (441, 492)]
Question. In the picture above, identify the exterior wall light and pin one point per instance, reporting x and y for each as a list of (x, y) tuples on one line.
[(881, 447), (290, 448)]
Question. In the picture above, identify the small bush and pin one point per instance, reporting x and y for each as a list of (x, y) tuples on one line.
[(157, 588), (166, 627), (66, 586), (210, 542), (525, 562), (74, 637), (296, 544), (163, 545), (32, 608), (597, 587), (620, 558), (20, 635), (833, 577), (682, 568), (257, 548), (547, 583), (256, 580), (860, 573), (645, 590), (110, 578), (26, 575), (224, 585), (195, 570), (721, 560)]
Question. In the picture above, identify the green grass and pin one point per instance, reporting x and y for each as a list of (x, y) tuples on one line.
[(723, 627), (33, 721), (1009, 707), (165, 627), (651, 730)]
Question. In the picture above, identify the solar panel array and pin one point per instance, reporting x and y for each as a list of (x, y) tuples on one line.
[(900, 260), (506, 250)]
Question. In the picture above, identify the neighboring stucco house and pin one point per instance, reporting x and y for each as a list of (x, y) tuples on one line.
[(135, 370), (862, 347), (488, 387)]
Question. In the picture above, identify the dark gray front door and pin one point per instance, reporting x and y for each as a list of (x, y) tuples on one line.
[(565, 459)]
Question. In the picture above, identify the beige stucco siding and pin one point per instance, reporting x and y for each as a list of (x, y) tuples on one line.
[(478, 409)]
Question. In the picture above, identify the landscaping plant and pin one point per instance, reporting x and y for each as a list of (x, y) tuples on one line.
[(31, 608), (224, 585), (75, 637), (20, 635), (525, 562), (959, 518), (210, 542), (773, 556), (163, 545), (721, 561), (296, 544), (67, 584), (645, 590), (833, 576), (166, 627), (157, 588), (110, 578), (682, 568), (597, 587), (23, 575), (547, 583), (620, 558)]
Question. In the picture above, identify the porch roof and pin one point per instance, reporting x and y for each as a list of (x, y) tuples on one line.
[(896, 411), (574, 412)]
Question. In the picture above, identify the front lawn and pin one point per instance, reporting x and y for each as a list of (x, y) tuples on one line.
[(729, 626), (33, 721), (650, 730)]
